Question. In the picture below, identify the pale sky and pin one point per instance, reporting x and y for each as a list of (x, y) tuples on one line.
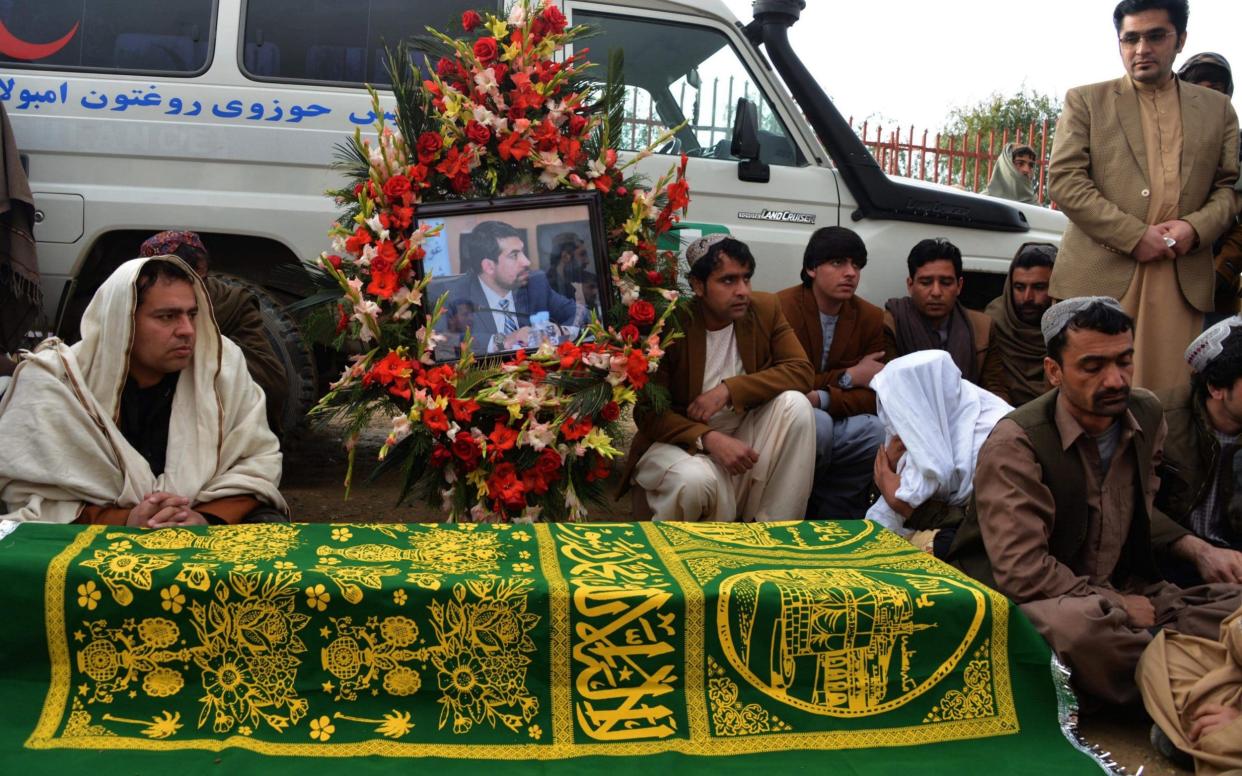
[(909, 61)]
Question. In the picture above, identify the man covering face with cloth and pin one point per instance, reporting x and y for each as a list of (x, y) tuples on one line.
[(151, 420)]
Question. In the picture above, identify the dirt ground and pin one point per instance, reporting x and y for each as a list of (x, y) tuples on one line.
[(314, 473)]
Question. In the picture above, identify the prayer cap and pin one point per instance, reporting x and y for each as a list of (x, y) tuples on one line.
[(699, 248), (1057, 317), (167, 243), (1210, 344)]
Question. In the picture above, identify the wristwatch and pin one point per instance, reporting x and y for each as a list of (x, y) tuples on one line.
[(845, 382)]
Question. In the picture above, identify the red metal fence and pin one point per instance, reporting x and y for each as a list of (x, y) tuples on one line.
[(964, 160)]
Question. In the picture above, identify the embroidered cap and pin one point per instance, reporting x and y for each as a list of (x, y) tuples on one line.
[(1211, 343), (699, 248), (1057, 317), (167, 243)]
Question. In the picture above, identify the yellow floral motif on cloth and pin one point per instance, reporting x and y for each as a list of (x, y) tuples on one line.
[(730, 717), (974, 699), (448, 550), (120, 570)]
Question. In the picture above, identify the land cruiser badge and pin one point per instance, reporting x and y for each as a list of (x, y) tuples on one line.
[(782, 216)]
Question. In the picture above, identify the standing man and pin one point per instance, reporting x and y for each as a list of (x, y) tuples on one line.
[(932, 318), (1064, 522), (498, 280), (843, 336), (1144, 166), (738, 440), (1016, 313)]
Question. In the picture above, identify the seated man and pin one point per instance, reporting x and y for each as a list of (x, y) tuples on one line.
[(1015, 315), (150, 420), (932, 318), (1198, 485), (738, 441), (1063, 518), (1013, 177), (498, 280), (843, 336), (1192, 688), (238, 316)]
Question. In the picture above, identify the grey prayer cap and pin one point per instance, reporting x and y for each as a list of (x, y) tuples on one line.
[(1057, 317), (699, 248)]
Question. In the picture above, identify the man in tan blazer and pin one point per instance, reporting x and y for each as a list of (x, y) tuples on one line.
[(1144, 167), (931, 317), (844, 338), (737, 441)]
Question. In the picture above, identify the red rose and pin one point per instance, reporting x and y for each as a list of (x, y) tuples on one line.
[(642, 312), (470, 20), (446, 68), (396, 187), (467, 451), (555, 20), (460, 184), (440, 456), (548, 464), (577, 123), (655, 278), (429, 145), (636, 368), (575, 428), (335, 261), (477, 133), (610, 412), (485, 50), (629, 333), (435, 419)]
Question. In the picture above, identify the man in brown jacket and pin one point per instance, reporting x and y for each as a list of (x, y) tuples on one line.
[(738, 441), (843, 336), (932, 318), (1063, 521), (1144, 167)]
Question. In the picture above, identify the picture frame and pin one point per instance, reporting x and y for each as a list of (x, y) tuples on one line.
[(551, 270)]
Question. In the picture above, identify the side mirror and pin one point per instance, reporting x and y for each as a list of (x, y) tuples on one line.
[(745, 143)]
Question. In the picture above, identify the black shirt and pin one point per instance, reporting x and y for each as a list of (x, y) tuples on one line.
[(144, 417)]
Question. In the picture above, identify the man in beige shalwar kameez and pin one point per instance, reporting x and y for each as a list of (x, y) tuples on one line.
[(1192, 688), (1144, 167)]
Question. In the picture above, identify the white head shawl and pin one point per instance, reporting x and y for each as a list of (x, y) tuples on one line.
[(63, 448), (942, 419)]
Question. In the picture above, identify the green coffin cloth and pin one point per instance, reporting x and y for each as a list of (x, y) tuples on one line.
[(635, 648)]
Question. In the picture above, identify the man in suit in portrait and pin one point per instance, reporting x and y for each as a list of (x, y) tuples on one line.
[(498, 281), (1144, 166)]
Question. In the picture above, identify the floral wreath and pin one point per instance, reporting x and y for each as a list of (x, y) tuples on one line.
[(530, 436)]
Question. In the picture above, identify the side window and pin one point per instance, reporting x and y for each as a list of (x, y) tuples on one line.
[(677, 73), (338, 42), (138, 36)]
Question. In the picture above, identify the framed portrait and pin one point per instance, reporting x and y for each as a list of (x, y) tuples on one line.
[(516, 272)]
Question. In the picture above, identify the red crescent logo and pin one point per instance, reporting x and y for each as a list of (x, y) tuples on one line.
[(15, 47)]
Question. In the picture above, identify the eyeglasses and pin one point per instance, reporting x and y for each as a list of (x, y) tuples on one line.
[(1153, 37)]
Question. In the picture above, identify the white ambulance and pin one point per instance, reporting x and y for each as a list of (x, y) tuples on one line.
[(220, 116)]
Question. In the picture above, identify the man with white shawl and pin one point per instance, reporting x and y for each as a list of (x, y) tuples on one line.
[(85, 438), (935, 422)]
